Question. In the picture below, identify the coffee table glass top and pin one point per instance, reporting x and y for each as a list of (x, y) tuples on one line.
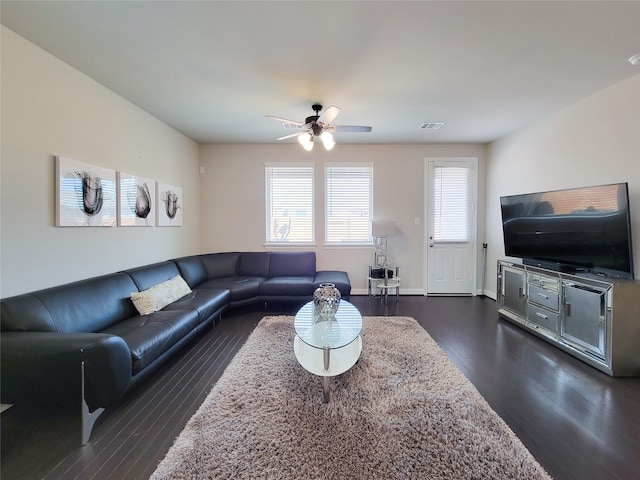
[(337, 333)]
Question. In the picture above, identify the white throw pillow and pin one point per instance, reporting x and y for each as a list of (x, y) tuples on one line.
[(160, 295)]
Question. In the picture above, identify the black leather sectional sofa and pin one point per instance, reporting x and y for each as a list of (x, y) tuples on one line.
[(85, 344)]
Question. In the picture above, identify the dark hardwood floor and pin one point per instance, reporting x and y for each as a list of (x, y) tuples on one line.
[(578, 422)]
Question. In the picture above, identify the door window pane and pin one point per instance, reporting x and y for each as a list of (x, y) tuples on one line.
[(451, 201)]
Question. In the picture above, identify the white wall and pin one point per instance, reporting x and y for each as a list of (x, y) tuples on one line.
[(233, 208), (594, 141), (48, 109)]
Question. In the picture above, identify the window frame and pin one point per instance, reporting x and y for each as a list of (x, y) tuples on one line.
[(268, 177), (327, 204)]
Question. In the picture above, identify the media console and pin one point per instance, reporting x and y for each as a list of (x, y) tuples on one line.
[(593, 318)]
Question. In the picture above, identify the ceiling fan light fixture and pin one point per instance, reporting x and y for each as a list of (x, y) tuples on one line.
[(327, 140), (304, 138), (318, 125)]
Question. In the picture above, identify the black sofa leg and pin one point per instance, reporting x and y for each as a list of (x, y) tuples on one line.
[(88, 418)]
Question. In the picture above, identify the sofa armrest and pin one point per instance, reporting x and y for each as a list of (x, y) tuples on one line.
[(44, 369)]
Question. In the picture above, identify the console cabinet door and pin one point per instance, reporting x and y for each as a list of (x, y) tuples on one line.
[(584, 323), (513, 291)]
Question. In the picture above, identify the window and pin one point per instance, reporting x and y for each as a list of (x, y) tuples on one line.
[(452, 204), (289, 203), (349, 203)]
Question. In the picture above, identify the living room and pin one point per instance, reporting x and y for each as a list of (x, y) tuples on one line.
[(43, 118), (50, 108)]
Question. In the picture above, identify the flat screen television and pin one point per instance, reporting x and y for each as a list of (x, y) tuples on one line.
[(584, 229)]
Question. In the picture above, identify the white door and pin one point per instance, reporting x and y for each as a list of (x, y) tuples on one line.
[(450, 198)]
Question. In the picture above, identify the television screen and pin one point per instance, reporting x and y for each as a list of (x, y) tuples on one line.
[(582, 229)]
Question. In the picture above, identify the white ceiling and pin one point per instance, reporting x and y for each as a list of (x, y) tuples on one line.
[(212, 70)]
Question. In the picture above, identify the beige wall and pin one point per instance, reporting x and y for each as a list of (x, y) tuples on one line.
[(595, 141), (233, 208), (49, 109)]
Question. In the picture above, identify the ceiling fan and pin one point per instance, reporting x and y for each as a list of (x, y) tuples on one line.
[(319, 126)]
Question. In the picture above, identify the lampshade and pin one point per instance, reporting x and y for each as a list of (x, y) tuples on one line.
[(327, 140), (383, 228), (304, 138)]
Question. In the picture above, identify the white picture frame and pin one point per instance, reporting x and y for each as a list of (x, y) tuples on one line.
[(170, 205), (137, 202), (85, 194)]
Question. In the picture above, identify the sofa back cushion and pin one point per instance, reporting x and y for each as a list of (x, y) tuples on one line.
[(25, 313), (254, 264), (220, 265), (288, 264), (86, 306), (192, 270), (147, 276)]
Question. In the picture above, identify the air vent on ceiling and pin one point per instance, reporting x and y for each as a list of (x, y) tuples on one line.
[(432, 125), (291, 126)]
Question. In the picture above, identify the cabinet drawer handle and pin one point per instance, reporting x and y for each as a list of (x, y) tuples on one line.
[(546, 297), (538, 314)]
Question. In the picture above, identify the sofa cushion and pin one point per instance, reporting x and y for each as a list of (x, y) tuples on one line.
[(84, 306), (149, 336), (192, 270), (240, 287), (160, 295), (220, 264), (292, 264), (149, 275), (254, 264), (208, 302), (287, 286), (25, 313)]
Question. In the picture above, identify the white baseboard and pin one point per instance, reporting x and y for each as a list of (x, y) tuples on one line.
[(418, 291), (406, 291)]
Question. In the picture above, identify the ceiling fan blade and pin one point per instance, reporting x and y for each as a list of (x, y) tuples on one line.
[(284, 120), (329, 114), (291, 135), (351, 128)]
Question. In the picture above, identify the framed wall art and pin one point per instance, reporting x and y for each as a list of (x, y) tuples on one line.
[(137, 201), (85, 194), (169, 205)]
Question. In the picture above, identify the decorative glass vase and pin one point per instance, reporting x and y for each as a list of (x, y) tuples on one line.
[(326, 300)]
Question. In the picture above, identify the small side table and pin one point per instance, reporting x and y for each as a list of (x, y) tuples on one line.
[(384, 278)]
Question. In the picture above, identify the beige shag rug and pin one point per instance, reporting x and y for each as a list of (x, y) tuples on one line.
[(403, 411)]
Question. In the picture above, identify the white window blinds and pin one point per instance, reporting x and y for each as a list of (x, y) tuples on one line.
[(349, 203), (452, 204), (289, 203)]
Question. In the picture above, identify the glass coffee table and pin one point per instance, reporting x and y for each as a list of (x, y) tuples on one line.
[(328, 348)]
